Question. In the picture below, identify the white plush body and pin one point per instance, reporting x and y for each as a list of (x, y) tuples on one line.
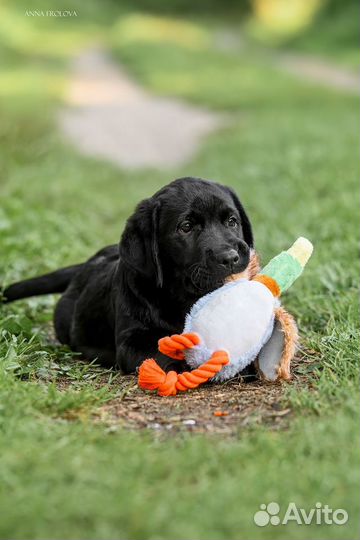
[(239, 318)]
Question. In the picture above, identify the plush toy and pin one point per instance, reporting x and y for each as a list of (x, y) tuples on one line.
[(231, 327)]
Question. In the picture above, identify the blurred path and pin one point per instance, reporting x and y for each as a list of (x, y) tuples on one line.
[(320, 71), (110, 116), (304, 66)]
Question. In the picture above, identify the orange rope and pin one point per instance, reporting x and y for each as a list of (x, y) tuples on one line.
[(175, 345), (152, 377)]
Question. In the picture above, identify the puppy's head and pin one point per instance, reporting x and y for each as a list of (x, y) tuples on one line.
[(193, 233)]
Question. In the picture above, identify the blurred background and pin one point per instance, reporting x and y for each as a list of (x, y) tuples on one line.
[(117, 98), (102, 102)]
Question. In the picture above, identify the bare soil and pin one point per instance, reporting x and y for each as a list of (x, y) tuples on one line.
[(213, 408)]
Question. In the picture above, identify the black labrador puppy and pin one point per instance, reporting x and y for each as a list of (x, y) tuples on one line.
[(177, 246)]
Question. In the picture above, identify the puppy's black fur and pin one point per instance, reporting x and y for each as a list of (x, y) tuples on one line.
[(177, 246)]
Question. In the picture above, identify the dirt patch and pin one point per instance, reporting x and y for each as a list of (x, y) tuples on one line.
[(213, 408), (222, 409)]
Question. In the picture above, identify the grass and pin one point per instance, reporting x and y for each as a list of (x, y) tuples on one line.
[(289, 150)]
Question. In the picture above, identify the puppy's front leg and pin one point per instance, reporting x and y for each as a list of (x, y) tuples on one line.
[(138, 344)]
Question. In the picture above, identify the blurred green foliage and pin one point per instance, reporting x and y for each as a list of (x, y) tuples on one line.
[(288, 148), (334, 33), (188, 7)]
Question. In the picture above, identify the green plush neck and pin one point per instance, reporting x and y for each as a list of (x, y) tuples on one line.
[(288, 266), (284, 269)]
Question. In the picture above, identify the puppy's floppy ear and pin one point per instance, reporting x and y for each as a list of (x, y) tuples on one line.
[(139, 248), (245, 222)]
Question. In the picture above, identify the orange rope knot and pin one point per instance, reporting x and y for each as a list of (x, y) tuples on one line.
[(152, 377)]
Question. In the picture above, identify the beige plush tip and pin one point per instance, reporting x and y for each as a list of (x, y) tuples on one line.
[(301, 250)]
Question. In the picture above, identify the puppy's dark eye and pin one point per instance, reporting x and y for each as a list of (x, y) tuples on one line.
[(231, 222), (185, 227)]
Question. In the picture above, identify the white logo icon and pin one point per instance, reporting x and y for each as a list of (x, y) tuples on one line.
[(319, 515), (267, 514)]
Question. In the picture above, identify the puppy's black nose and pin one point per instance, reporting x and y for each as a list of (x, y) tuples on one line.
[(228, 258)]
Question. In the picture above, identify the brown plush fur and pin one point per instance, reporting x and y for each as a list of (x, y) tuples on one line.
[(290, 330)]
